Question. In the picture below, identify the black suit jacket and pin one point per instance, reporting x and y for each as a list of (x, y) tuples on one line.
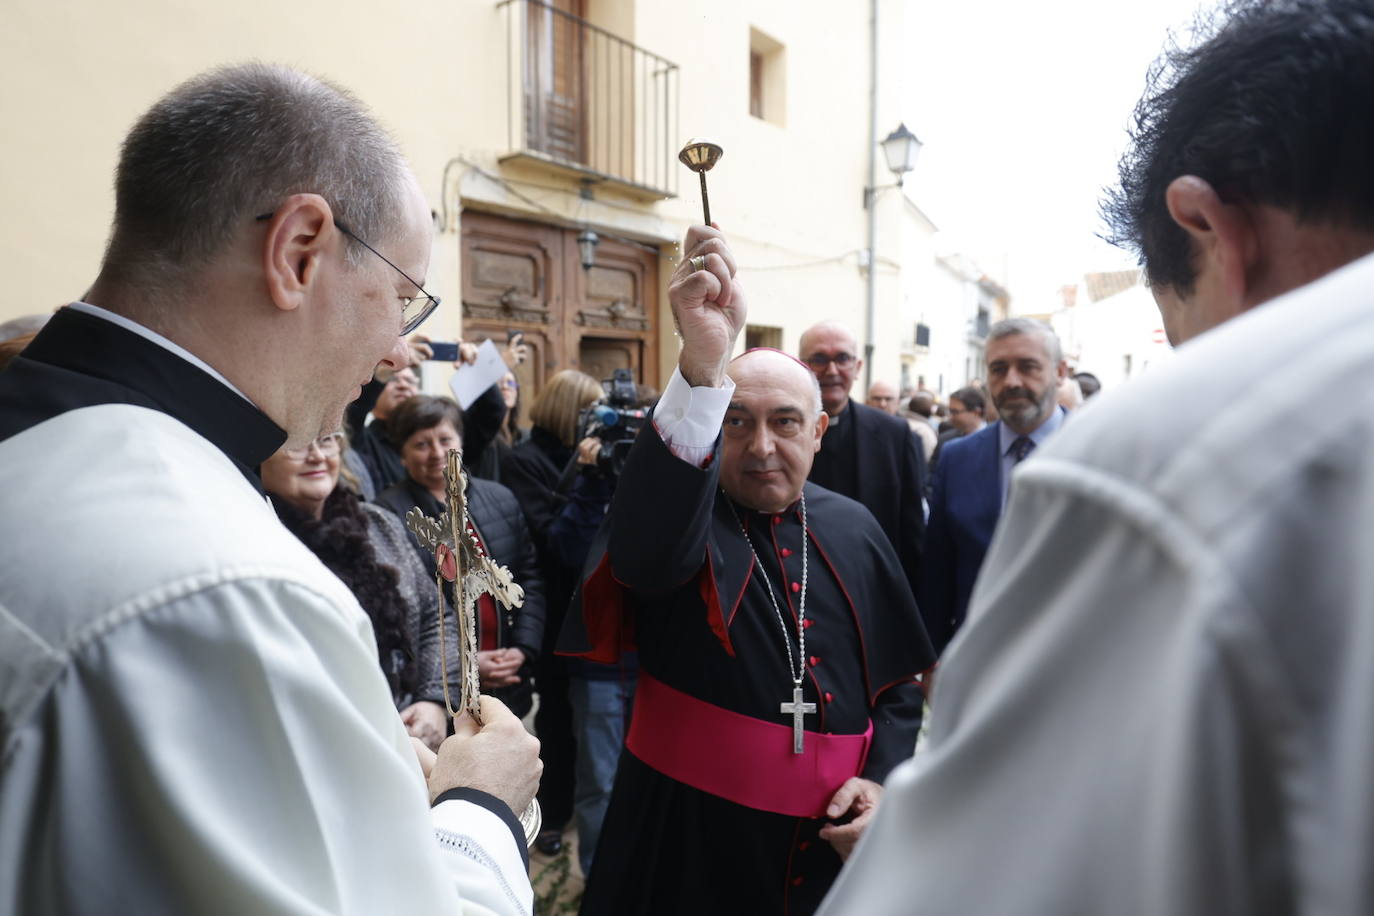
[(891, 481)]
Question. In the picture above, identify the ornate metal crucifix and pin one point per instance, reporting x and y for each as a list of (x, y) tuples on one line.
[(459, 559), (797, 709)]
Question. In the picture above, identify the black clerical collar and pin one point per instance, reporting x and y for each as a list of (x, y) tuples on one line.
[(114, 365), (750, 517)]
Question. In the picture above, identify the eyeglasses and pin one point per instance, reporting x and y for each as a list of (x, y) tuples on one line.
[(414, 309), (819, 361), (328, 445)]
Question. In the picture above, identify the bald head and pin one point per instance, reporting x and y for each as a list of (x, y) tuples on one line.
[(883, 396), (772, 430), (828, 332), (831, 351), (775, 367)]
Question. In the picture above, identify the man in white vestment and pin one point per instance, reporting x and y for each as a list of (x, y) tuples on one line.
[(1162, 701), (192, 712)]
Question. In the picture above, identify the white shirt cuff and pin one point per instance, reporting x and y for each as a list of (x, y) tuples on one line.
[(689, 418), (486, 866)]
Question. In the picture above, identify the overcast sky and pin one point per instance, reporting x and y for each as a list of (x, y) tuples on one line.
[(1023, 109)]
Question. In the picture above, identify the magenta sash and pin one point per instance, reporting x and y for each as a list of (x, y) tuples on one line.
[(737, 757)]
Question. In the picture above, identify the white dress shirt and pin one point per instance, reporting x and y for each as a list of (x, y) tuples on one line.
[(1162, 701)]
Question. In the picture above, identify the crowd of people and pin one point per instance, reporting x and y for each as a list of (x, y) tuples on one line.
[(1140, 631)]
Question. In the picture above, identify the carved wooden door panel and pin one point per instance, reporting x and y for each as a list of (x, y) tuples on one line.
[(512, 279), (527, 276), (613, 310)]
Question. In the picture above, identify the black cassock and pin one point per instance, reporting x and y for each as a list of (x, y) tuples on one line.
[(672, 574)]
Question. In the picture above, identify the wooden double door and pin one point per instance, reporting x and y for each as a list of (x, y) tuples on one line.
[(527, 276)]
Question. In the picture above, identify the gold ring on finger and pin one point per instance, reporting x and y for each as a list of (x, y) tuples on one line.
[(698, 262)]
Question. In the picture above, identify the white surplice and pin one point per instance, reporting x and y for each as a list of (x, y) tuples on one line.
[(192, 711)]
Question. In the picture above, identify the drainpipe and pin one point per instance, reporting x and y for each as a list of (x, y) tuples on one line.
[(870, 199)]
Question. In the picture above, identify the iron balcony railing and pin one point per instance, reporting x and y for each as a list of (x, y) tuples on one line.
[(584, 98)]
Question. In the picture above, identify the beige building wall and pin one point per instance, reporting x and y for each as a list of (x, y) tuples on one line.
[(1116, 338), (441, 76)]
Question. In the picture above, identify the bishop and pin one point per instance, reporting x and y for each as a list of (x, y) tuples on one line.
[(739, 581)]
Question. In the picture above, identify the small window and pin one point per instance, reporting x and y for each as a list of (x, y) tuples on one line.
[(757, 335), (755, 84), (767, 78)]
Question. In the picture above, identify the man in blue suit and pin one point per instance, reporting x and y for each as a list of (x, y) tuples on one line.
[(969, 487)]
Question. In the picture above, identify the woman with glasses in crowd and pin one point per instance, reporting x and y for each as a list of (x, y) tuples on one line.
[(368, 549)]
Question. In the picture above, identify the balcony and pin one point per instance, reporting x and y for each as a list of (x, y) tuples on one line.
[(588, 104)]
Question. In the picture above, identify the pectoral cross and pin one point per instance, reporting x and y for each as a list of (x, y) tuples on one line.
[(797, 709)]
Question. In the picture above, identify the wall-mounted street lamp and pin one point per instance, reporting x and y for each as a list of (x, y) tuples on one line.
[(587, 240), (900, 149)]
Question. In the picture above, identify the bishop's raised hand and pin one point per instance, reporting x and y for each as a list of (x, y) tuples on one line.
[(708, 306)]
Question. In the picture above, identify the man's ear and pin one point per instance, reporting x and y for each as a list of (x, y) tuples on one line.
[(298, 237), (1225, 240), (1063, 369), (822, 424)]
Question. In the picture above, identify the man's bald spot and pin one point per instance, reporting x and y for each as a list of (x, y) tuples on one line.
[(769, 366), (882, 389), (828, 327)]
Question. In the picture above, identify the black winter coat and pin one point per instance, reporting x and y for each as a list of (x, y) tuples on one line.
[(532, 471)]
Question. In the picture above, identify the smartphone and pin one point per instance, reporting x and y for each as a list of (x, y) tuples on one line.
[(444, 352), (516, 338)]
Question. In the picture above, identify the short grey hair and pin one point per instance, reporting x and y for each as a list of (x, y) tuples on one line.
[(1010, 327), (233, 143)]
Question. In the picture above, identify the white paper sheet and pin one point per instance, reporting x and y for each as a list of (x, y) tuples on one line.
[(470, 381)]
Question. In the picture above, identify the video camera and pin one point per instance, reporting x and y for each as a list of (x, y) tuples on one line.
[(615, 420)]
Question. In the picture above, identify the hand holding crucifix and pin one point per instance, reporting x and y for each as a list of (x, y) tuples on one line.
[(459, 559)]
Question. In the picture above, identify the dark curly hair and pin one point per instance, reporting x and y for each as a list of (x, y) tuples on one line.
[(1274, 106), (340, 540)]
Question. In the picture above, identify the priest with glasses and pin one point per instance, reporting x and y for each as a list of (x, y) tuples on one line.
[(779, 643)]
